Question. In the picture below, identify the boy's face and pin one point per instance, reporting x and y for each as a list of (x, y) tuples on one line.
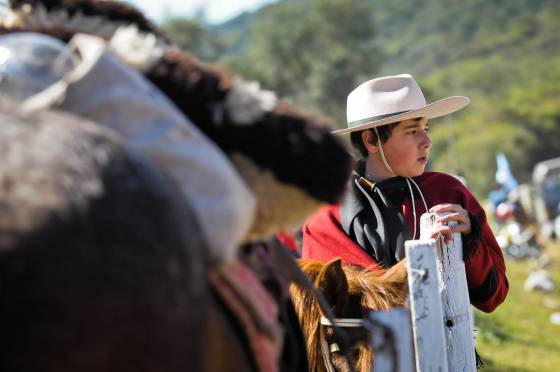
[(408, 147)]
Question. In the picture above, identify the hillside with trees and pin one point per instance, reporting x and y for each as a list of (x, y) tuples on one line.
[(505, 55)]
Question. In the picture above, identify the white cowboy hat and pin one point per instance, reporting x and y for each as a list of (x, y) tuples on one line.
[(391, 99)]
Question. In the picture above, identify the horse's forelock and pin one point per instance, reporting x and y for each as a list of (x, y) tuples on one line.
[(378, 292)]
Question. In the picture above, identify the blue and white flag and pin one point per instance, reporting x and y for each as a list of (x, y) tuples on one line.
[(503, 173)]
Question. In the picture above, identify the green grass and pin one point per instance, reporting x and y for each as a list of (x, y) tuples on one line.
[(519, 336)]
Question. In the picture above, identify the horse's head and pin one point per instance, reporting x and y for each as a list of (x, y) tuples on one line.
[(351, 292), (95, 272), (288, 159)]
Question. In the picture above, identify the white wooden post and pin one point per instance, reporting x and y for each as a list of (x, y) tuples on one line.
[(455, 299), (391, 340), (425, 305)]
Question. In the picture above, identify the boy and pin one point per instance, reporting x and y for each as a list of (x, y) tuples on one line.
[(388, 124)]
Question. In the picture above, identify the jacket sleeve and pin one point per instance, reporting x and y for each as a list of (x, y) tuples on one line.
[(484, 262), (486, 272)]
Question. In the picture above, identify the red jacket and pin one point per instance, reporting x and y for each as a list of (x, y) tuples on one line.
[(324, 239)]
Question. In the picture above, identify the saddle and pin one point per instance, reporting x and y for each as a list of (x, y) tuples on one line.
[(255, 296)]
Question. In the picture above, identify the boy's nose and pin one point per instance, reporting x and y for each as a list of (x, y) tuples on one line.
[(426, 141)]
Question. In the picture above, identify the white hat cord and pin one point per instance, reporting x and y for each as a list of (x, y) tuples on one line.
[(408, 180), (382, 153), (420, 192), (413, 207)]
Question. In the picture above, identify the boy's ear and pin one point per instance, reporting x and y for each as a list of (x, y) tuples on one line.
[(370, 142)]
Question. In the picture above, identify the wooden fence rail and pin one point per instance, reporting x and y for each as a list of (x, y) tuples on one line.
[(457, 314), (426, 306), (439, 307)]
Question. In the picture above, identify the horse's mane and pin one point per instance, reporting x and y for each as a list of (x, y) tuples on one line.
[(381, 291), (378, 291)]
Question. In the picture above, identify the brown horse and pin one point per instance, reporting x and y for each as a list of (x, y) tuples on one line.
[(351, 292)]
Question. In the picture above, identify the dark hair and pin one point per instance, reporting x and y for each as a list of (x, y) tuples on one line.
[(358, 143)]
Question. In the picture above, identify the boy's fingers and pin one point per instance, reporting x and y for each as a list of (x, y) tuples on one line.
[(463, 225), (461, 217), (446, 207), (447, 236), (457, 213), (456, 216), (443, 230), (460, 229)]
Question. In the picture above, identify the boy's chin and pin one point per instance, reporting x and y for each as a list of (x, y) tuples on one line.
[(416, 172)]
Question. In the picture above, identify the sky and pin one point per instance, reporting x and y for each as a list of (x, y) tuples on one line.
[(215, 11)]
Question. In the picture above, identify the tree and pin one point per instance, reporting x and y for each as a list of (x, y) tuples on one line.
[(312, 52), (195, 36)]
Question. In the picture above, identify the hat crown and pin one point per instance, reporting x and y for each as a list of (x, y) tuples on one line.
[(382, 97)]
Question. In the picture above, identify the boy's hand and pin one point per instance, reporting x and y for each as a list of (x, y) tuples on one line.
[(457, 214)]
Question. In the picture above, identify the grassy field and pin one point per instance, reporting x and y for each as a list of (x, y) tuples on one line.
[(519, 336)]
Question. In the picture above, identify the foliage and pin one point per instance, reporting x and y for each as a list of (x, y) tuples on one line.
[(195, 36), (504, 54), (312, 52)]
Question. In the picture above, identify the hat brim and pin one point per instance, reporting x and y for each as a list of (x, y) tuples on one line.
[(436, 109)]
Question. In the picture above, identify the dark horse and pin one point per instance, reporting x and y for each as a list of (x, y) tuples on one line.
[(101, 262)]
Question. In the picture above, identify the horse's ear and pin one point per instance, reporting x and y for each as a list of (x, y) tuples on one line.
[(332, 282)]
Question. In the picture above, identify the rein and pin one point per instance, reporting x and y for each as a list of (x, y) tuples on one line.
[(336, 322), (343, 322)]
